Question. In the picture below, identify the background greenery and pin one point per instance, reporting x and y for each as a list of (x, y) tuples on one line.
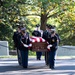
[(60, 13)]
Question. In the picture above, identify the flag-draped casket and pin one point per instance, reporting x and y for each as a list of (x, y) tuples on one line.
[(38, 44)]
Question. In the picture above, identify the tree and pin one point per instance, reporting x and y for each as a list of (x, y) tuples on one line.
[(67, 26), (45, 9), (60, 12)]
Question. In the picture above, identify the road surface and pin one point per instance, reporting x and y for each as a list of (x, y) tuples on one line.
[(9, 66)]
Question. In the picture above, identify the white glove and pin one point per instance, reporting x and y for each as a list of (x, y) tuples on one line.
[(25, 45), (50, 45), (30, 45)]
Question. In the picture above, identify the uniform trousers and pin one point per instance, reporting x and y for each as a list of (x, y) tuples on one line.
[(47, 58), (52, 58), (24, 58), (19, 57), (38, 55)]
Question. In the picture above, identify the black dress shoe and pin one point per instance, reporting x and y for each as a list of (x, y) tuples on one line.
[(51, 67), (47, 64), (24, 66), (38, 59)]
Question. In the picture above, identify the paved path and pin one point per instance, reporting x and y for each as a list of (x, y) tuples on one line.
[(62, 67)]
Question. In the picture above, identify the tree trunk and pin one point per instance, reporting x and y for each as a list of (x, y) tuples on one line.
[(43, 21)]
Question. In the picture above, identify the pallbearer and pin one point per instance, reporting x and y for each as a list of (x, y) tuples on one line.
[(53, 48), (37, 33), (23, 46), (46, 36), (16, 42)]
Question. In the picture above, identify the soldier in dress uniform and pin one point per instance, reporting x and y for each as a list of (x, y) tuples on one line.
[(15, 39), (53, 47), (37, 33), (46, 36), (24, 41), (57, 35)]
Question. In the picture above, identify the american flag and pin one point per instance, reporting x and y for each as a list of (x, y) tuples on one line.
[(37, 39)]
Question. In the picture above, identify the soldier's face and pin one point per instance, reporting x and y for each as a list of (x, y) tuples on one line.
[(19, 30), (23, 32), (37, 28), (46, 28), (49, 30), (53, 34)]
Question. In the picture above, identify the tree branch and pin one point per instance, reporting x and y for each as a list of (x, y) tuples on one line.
[(30, 15), (56, 14), (52, 15)]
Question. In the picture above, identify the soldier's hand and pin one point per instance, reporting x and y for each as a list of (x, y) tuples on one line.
[(50, 45), (25, 45)]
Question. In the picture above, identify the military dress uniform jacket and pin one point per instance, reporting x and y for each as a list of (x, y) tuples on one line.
[(23, 40), (15, 38), (46, 35), (53, 42), (58, 37), (36, 33)]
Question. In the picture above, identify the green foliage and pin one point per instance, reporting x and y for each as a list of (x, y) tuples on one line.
[(6, 33), (60, 13), (31, 53)]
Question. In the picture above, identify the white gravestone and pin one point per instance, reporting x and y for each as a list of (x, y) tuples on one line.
[(4, 50)]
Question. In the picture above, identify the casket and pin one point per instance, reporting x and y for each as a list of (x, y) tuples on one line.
[(38, 44)]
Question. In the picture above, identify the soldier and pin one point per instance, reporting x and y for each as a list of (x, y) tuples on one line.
[(46, 36), (15, 39), (37, 33), (24, 41), (46, 33), (57, 35), (53, 47)]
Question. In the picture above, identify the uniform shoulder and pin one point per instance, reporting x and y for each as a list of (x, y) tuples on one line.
[(44, 31), (27, 33)]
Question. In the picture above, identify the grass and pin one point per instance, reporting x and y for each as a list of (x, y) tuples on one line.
[(9, 56), (32, 56), (15, 56)]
